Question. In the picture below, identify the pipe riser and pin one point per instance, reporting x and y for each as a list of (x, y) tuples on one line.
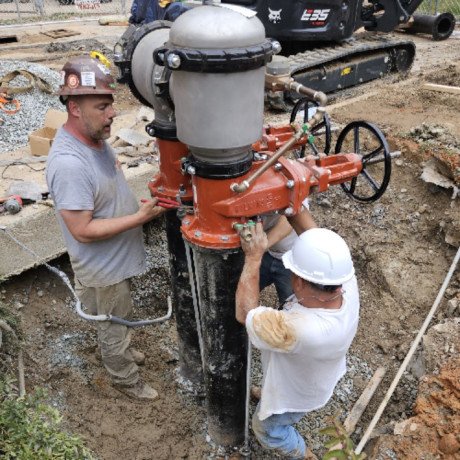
[(225, 344)]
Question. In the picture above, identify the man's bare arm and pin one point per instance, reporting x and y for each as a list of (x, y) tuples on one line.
[(302, 222), (281, 229), (85, 229), (247, 292)]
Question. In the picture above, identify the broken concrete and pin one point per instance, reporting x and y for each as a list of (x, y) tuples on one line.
[(38, 229)]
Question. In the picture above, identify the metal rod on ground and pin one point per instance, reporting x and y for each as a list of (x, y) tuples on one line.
[(379, 159), (408, 357), (246, 448), (17, 8), (22, 384), (6, 327)]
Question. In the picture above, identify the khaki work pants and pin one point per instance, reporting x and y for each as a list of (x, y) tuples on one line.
[(114, 339)]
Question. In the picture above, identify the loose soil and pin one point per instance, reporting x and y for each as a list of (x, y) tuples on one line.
[(401, 258)]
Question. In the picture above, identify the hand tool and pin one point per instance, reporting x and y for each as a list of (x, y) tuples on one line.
[(11, 204)]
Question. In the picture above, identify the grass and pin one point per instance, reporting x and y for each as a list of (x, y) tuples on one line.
[(440, 6)]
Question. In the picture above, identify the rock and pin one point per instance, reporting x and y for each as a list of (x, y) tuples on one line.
[(448, 444), (27, 190), (452, 305), (432, 174), (145, 114), (132, 137), (435, 341), (325, 203), (422, 209), (401, 427), (40, 293)]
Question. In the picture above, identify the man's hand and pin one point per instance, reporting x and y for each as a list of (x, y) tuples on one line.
[(85, 229), (255, 247), (149, 210), (247, 291)]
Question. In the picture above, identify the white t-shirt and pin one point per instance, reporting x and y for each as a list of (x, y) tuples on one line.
[(303, 351)]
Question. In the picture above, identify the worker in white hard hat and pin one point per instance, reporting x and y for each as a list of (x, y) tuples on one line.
[(281, 236), (303, 346)]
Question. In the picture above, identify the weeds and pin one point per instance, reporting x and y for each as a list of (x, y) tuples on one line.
[(339, 446), (30, 429)]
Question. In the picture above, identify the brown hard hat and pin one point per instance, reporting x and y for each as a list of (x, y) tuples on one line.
[(85, 75)]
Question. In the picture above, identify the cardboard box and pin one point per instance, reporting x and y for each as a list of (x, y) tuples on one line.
[(41, 139)]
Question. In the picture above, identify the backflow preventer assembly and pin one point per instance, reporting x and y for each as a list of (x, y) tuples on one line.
[(205, 76)]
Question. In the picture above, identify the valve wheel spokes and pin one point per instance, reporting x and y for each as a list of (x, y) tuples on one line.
[(359, 134), (306, 104)]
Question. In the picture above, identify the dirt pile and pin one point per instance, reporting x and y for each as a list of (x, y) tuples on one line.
[(435, 427)]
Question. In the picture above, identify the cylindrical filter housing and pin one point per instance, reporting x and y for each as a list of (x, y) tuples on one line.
[(217, 55)]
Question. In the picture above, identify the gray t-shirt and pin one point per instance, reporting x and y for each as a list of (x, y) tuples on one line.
[(87, 179)]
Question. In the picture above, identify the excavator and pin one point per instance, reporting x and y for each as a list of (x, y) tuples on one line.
[(327, 45)]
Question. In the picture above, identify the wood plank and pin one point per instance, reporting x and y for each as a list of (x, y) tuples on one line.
[(442, 88), (363, 401), (360, 405)]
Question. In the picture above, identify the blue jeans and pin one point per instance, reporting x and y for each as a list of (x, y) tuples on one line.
[(272, 271), (277, 433), (174, 10)]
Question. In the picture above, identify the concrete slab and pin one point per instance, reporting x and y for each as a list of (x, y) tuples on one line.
[(36, 226)]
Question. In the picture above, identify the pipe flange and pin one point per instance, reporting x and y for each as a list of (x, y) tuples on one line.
[(220, 171), (162, 131), (229, 60)]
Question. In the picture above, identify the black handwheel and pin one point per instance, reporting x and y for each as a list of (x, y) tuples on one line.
[(306, 104), (369, 142)]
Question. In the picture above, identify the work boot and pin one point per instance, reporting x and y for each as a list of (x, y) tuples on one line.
[(139, 390), (138, 356)]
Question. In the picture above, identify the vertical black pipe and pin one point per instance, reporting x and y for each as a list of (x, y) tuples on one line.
[(224, 342), (189, 349)]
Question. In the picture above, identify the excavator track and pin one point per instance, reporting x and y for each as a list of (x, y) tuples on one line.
[(359, 59)]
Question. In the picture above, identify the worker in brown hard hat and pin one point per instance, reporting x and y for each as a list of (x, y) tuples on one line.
[(99, 216)]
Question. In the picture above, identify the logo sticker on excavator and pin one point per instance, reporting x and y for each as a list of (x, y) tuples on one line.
[(274, 15), (315, 17)]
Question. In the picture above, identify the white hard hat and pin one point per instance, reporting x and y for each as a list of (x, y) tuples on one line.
[(321, 256)]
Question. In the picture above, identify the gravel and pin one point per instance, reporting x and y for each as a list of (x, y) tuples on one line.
[(15, 130), (150, 291), (345, 395)]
